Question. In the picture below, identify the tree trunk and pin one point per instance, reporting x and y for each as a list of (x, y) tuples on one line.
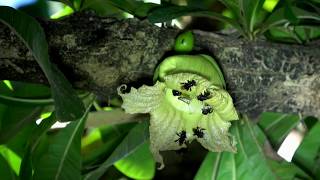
[(98, 54)]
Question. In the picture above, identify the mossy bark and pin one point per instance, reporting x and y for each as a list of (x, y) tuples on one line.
[(99, 54)]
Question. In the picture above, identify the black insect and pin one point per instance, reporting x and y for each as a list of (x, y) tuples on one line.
[(176, 93), (207, 109), (198, 131), (182, 137), (188, 85), (204, 96)]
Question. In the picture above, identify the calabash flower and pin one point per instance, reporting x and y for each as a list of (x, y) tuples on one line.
[(185, 104)]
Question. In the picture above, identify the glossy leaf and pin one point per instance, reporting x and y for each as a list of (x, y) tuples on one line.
[(112, 7), (135, 138), (112, 117), (21, 106), (6, 172), (233, 6), (10, 100), (288, 12), (24, 90), (68, 106), (269, 5), (277, 126), (18, 142), (65, 11), (15, 118), (209, 168), (11, 157), (63, 159), (296, 34), (67, 2), (100, 143), (167, 13), (308, 152), (26, 166), (33, 143), (248, 163), (287, 171), (138, 165), (103, 8), (250, 10), (278, 18), (133, 7)]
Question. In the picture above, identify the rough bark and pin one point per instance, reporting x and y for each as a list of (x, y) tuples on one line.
[(99, 54)]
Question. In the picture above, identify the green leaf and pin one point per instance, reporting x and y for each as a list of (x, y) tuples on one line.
[(15, 118), (68, 106), (62, 12), (24, 90), (144, 9), (135, 138), (68, 3), (11, 157), (296, 34), (101, 142), (63, 159), (26, 166), (138, 165), (250, 10), (166, 13), (19, 141), (288, 12), (248, 163), (103, 8), (6, 172), (11, 100), (133, 7), (112, 7), (316, 1), (287, 171), (308, 153), (233, 6), (126, 5), (277, 126), (278, 18), (209, 167), (110, 117), (33, 142)]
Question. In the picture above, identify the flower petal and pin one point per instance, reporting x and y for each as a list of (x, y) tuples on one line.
[(216, 136), (223, 105), (165, 123), (142, 100)]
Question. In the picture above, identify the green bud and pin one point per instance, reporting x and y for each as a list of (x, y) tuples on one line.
[(184, 42), (202, 65)]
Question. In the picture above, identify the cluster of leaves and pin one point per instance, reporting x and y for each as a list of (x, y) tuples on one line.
[(286, 20), (32, 151), (289, 20)]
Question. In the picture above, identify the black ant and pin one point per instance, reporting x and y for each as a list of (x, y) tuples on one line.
[(204, 96), (188, 85), (198, 132), (176, 93), (207, 109), (182, 137)]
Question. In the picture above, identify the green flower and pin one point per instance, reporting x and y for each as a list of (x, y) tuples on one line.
[(184, 106)]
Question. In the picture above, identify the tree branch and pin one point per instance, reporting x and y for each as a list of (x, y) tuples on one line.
[(99, 54)]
